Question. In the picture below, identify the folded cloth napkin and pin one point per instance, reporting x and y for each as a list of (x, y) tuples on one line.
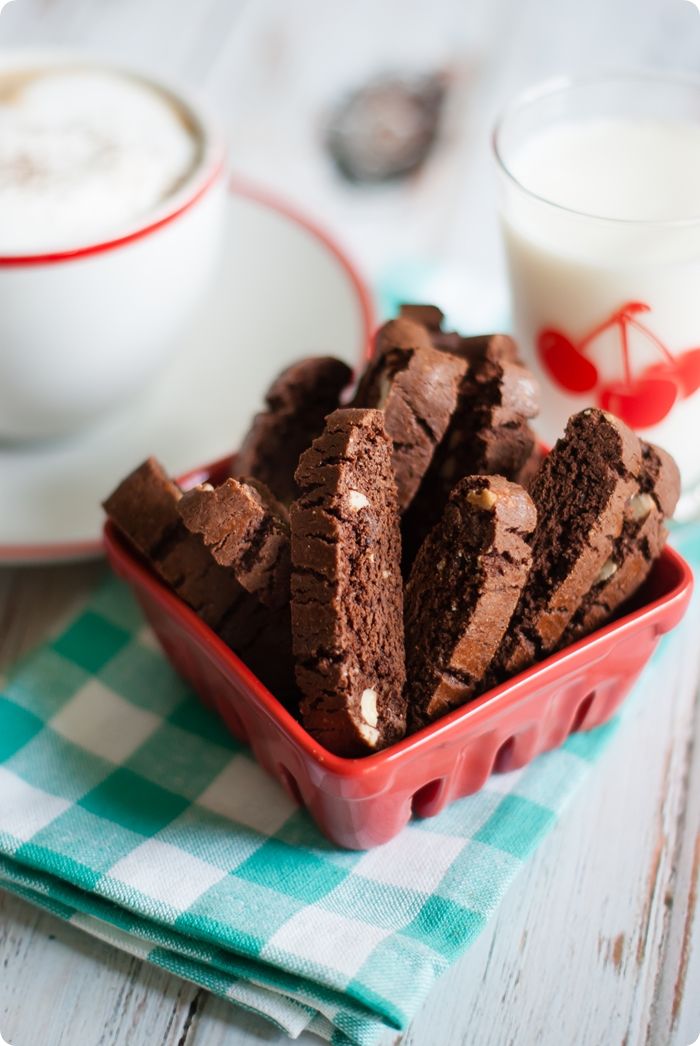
[(126, 809)]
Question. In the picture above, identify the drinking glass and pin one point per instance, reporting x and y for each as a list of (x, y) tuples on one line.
[(606, 306)]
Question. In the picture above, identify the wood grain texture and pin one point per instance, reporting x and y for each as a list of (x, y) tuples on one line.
[(598, 942)]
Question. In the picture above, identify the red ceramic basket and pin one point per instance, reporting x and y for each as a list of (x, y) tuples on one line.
[(360, 803)]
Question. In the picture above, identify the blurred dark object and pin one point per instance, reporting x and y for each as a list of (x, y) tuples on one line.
[(386, 129)]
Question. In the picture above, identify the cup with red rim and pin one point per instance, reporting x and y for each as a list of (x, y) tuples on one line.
[(88, 321)]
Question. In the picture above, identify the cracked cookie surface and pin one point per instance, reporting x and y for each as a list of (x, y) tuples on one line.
[(247, 531), (347, 597), (145, 508), (581, 492), (416, 387), (641, 540), (464, 585)]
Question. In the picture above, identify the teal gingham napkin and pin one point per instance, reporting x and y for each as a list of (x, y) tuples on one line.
[(126, 809)]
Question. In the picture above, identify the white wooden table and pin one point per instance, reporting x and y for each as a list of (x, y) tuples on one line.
[(598, 942)]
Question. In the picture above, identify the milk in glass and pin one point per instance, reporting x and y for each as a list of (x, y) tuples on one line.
[(601, 219)]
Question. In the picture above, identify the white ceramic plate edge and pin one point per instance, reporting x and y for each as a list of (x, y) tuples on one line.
[(46, 553)]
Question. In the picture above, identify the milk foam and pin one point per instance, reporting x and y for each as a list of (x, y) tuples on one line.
[(84, 153)]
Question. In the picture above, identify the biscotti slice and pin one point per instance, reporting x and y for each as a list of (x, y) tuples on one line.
[(581, 494), (145, 509), (247, 531), (643, 537), (429, 316), (297, 404), (472, 347), (488, 432), (347, 599), (464, 585), (416, 387)]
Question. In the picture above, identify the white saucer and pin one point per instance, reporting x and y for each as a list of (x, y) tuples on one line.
[(285, 291)]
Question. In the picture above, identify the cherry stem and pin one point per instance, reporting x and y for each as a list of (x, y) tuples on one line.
[(666, 353), (600, 329), (612, 321), (624, 338), (623, 318)]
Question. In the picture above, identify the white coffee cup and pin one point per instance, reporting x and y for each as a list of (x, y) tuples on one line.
[(85, 325)]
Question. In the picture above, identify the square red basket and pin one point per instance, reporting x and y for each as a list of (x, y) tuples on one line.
[(360, 803)]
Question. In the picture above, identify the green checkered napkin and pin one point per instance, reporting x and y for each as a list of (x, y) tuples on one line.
[(126, 809)]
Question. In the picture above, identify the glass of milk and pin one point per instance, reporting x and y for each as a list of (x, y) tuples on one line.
[(600, 204)]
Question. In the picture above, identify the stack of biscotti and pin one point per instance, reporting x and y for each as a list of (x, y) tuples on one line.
[(382, 563), (602, 497), (488, 432)]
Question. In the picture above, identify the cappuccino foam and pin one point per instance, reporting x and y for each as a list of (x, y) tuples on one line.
[(84, 154)]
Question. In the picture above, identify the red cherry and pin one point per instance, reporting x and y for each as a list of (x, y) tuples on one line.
[(688, 364), (665, 369), (642, 402), (564, 363), (684, 371)]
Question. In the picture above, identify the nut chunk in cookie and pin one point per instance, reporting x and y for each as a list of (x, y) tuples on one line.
[(297, 403), (347, 598), (246, 530), (464, 586), (581, 493), (416, 386)]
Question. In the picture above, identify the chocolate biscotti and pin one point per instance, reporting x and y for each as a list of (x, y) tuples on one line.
[(145, 508), (464, 585), (347, 599), (297, 403), (296, 560), (416, 387), (581, 493), (247, 531), (640, 542), (489, 432), (471, 347), (502, 433)]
